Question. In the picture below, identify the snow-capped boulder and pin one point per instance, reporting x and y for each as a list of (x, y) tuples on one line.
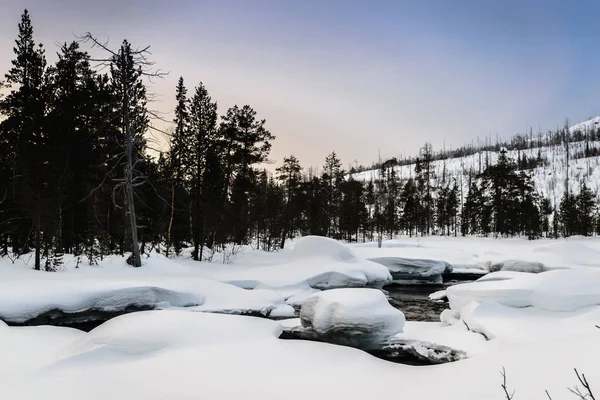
[(418, 352), (407, 270), (533, 267), (356, 317), (440, 295), (335, 265)]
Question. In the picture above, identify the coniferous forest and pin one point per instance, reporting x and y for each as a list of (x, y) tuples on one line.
[(78, 173)]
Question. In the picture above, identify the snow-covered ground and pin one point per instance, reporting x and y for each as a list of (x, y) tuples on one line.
[(481, 253), (536, 326), (277, 280), (182, 355)]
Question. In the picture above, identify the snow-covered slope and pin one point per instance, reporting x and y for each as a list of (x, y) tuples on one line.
[(549, 179)]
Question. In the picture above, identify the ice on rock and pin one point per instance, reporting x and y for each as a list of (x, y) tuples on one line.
[(355, 317), (407, 270)]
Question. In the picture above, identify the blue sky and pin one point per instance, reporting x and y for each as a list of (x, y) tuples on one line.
[(357, 77)]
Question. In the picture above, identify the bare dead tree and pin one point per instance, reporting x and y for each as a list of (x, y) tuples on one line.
[(124, 60)]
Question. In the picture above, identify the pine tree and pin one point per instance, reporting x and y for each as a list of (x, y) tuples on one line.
[(203, 140), (25, 111), (290, 176), (332, 178), (179, 169), (585, 208)]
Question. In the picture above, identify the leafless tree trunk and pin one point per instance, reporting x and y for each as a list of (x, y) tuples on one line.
[(137, 261)]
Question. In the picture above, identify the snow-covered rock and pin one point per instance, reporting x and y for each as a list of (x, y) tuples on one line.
[(341, 268), (398, 348), (356, 317), (440, 295), (407, 270), (418, 352), (518, 266)]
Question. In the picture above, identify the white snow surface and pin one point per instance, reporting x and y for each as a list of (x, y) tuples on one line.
[(114, 285), (180, 355), (476, 254), (559, 290), (367, 310), (311, 262)]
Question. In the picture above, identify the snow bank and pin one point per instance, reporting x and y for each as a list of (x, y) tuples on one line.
[(560, 290), (314, 262), (361, 313), (475, 253), (180, 355), (98, 293), (162, 330)]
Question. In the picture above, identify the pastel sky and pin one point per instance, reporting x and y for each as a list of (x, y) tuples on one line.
[(357, 77)]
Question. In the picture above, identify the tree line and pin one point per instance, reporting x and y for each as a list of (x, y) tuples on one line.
[(77, 176)]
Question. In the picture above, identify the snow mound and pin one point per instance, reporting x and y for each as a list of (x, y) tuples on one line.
[(318, 246), (77, 299), (151, 331), (533, 267), (559, 290), (364, 314), (496, 321), (501, 276), (87, 294)]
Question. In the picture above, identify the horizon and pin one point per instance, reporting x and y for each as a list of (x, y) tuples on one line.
[(357, 79)]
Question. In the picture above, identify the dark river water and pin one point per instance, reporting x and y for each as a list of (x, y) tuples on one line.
[(413, 301)]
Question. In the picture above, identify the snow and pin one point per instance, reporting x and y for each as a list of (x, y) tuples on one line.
[(477, 254), (25, 349), (526, 325), (114, 286), (313, 262), (548, 180), (180, 355), (559, 290), (350, 310), (518, 266), (438, 296), (537, 326)]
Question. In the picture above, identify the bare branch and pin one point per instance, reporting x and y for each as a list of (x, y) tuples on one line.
[(508, 395), (583, 395)]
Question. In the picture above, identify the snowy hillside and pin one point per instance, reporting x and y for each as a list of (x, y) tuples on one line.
[(549, 179)]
